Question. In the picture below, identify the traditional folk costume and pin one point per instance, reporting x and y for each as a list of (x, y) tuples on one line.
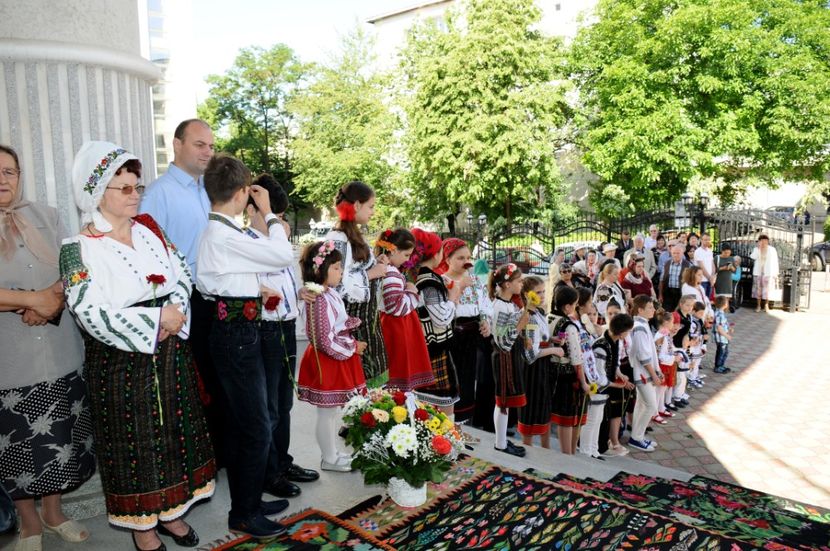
[(472, 353), (46, 441), (682, 373), (607, 355), (154, 452), (596, 376), (330, 371), (568, 397), (643, 352), (403, 336), (362, 298), (696, 351), (231, 259), (436, 313), (604, 294), (534, 417), (665, 355), (508, 355)]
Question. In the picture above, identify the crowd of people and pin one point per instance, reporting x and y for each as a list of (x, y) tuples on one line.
[(176, 356)]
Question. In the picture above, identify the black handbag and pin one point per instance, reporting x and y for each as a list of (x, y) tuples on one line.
[(8, 514)]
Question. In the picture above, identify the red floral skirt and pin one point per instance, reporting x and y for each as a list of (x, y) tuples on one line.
[(669, 374), (406, 352), (331, 382)]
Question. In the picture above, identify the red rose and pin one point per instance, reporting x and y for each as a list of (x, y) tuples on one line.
[(250, 310), (440, 444), (421, 414), (399, 397), (272, 303), (368, 419), (156, 279)]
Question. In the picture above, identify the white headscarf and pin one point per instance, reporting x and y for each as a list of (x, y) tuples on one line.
[(95, 165)]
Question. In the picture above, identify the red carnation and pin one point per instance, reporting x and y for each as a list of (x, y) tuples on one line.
[(272, 303), (156, 279), (399, 397), (250, 310), (421, 414), (440, 444), (368, 419)]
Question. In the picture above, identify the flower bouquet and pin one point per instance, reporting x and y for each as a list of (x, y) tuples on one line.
[(400, 442)]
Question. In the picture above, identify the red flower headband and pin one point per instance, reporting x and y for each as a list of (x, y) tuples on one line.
[(345, 211)]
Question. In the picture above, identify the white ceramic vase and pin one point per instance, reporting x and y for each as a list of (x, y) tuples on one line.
[(406, 495)]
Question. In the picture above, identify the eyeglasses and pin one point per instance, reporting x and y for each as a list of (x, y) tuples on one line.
[(128, 190), (10, 172)]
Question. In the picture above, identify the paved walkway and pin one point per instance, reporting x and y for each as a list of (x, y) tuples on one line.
[(766, 425)]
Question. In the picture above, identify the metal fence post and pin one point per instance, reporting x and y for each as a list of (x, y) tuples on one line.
[(795, 286)]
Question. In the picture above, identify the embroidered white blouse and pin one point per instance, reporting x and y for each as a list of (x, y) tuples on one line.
[(537, 331), (474, 301), (104, 279), (354, 287), (329, 327), (505, 320), (397, 300)]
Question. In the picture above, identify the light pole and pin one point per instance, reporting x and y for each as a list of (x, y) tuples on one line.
[(696, 205)]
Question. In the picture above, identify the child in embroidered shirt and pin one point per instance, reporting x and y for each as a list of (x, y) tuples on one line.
[(666, 358), (330, 371), (509, 321), (697, 344), (723, 334), (403, 336)]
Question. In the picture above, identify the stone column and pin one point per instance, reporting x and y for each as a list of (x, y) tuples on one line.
[(72, 71)]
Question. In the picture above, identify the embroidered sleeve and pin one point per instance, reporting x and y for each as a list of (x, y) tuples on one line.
[(184, 283), (504, 329), (574, 345), (600, 358), (320, 326), (441, 311), (641, 344), (132, 329), (354, 286), (397, 301), (534, 332), (485, 305)]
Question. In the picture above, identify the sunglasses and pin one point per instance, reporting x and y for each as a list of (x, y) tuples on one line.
[(128, 190)]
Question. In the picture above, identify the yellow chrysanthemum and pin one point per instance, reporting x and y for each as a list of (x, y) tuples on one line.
[(399, 414), (433, 424)]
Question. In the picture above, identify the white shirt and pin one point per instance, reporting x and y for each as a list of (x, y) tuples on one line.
[(231, 258), (642, 351), (699, 295), (105, 278), (354, 287), (474, 301), (284, 281), (705, 259)]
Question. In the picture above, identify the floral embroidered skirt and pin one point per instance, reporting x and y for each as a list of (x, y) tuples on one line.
[(534, 418), (45, 438), (444, 391), (326, 382), (406, 350), (154, 463), (568, 405), (508, 371), (369, 331)]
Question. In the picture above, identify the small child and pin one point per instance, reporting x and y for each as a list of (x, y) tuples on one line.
[(736, 280), (330, 371), (665, 355), (509, 321), (607, 355), (681, 344), (723, 334), (697, 343), (534, 418), (406, 346), (647, 373)]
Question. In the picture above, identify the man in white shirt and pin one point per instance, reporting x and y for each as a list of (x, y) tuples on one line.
[(651, 239), (704, 257)]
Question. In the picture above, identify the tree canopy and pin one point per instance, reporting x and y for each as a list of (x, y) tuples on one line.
[(729, 89), (484, 102)]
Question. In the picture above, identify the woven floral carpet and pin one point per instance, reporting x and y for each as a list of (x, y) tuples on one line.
[(308, 531), (376, 514), (501, 509), (696, 505)]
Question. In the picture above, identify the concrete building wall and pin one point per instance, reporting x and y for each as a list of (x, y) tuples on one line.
[(71, 71)]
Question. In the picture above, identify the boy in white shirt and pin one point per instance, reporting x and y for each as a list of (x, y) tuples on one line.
[(643, 357)]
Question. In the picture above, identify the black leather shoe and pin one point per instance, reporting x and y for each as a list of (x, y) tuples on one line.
[(282, 488), (271, 508), (161, 547), (512, 449), (191, 539), (295, 473), (257, 527)]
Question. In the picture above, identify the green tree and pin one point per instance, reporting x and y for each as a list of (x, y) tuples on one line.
[(344, 128), (728, 89), (483, 96)]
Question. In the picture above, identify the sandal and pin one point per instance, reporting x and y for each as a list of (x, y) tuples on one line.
[(71, 531), (32, 543)]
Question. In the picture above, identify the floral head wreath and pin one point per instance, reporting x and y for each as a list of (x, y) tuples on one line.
[(322, 252), (509, 270), (384, 242)]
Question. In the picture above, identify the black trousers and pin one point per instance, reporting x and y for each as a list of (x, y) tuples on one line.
[(279, 352), (671, 296)]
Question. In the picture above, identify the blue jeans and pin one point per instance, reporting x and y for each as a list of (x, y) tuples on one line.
[(279, 352), (237, 356), (707, 288), (721, 354)]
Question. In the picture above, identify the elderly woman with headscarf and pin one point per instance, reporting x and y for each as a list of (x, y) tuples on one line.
[(129, 289), (46, 440)]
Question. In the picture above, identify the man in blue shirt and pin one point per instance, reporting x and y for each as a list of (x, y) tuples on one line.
[(178, 202)]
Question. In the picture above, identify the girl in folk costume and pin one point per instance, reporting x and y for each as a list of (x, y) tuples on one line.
[(436, 310), (666, 358), (471, 350), (330, 371), (409, 364), (129, 289), (681, 339), (363, 274), (570, 384), (509, 321), (534, 418), (608, 287), (607, 354), (697, 346)]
